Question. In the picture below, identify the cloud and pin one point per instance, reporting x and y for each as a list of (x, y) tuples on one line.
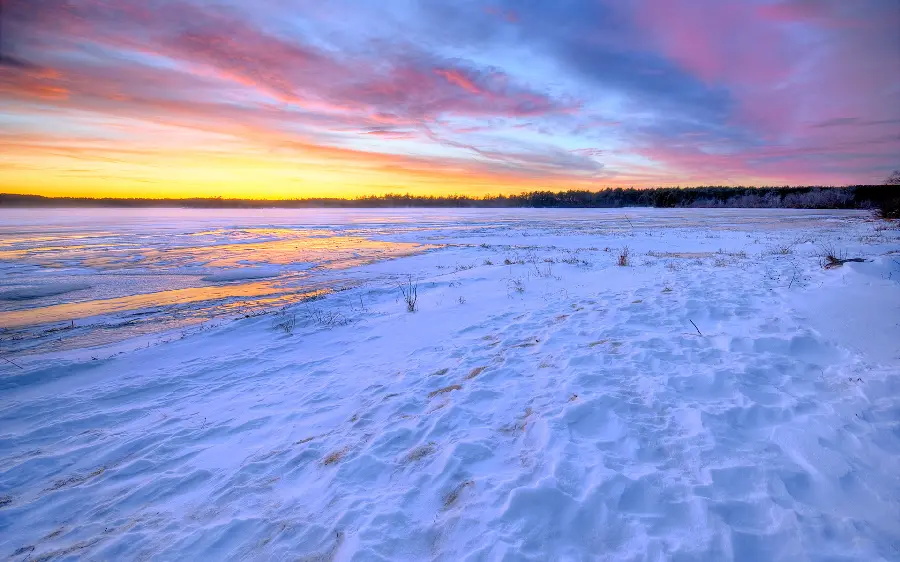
[(576, 92)]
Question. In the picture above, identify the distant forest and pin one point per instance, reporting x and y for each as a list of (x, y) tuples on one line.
[(883, 198)]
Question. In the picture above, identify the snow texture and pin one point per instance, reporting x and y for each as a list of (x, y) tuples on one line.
[(720, 396)]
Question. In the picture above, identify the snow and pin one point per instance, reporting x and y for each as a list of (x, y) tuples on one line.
[(721, 397)]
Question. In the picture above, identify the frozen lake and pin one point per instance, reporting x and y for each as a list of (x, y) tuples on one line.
[(617, 384), (81, 277)]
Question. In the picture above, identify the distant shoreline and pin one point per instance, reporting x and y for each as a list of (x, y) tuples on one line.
[(850, 197)]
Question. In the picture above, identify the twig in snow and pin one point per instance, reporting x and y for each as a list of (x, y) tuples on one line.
[(793, 275), (629, 221), (10, 361), (695, 327)]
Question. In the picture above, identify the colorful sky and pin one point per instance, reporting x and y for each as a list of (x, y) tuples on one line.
[(297, 98)]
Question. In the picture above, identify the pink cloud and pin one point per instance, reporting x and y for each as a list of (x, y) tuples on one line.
[(783, 78), (720, 41), (222, 43), (509, 15), (458, 78)]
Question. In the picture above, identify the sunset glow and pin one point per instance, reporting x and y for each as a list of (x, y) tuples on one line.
[(284, 99)]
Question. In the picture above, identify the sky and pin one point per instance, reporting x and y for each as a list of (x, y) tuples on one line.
[(340, 98)]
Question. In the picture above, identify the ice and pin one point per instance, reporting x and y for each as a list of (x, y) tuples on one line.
[(241, 274), (32, 292), (581, 417)]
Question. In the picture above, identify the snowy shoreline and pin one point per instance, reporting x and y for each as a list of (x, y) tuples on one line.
[(720, 396)]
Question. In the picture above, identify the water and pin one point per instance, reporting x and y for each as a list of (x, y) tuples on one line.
[(80, 277)]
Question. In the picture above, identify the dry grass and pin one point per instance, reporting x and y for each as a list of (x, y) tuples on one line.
[(475, 372), (334, 457), (782, 251), (521, 424), (419, 453), (75, 480), (444, 390), (830, 258), (451, 498), (682, 255), (440, 372), (527, 343)]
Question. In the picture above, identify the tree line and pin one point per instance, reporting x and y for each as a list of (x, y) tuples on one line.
[(885, 198)]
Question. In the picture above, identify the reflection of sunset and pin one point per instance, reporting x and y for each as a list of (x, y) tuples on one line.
[(296, 249), (71, 311)]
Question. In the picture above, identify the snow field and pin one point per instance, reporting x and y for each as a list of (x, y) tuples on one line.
[(721, 397)]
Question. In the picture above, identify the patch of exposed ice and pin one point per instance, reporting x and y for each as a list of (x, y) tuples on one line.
[(242, 274), (46, 289)]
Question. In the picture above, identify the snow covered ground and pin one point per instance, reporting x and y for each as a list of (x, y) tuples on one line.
[(721, 396)]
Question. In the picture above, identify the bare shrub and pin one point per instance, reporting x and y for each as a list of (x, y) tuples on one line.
[(516, 285), (326, 318), (410, 292), (285, 321), (624, 257), (542, 271)]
